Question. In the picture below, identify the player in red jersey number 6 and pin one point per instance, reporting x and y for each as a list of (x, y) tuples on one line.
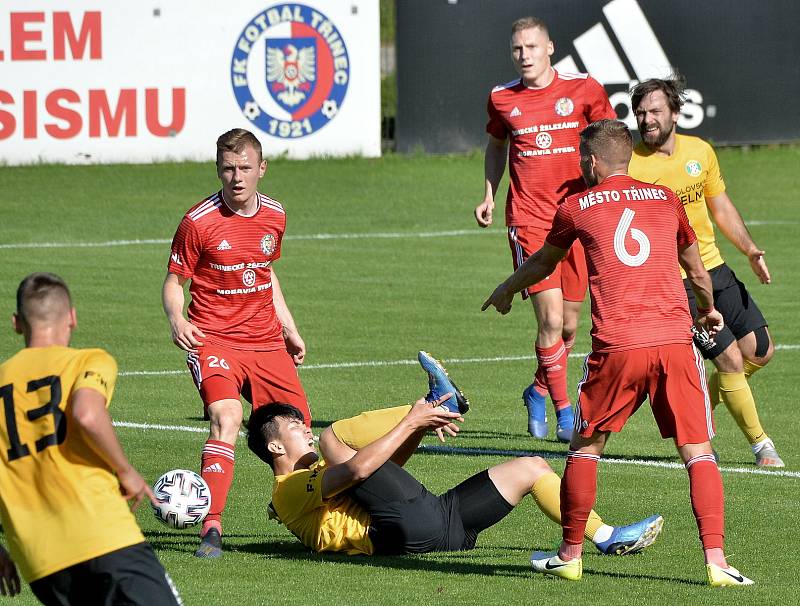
[(634, 234), (240, 338)]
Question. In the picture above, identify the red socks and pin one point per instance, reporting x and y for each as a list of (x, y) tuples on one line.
[(216, 467), (578, 493), (708, 504), (553, 369)]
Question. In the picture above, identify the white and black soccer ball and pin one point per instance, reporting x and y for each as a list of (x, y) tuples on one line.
[(183, 498)]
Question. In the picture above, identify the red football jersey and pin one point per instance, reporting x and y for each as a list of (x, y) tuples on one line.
[(543, 126), (630, 231), (227, 256)]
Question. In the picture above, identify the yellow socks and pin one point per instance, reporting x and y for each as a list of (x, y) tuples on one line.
[(738, 398), (546, 492), (367, 427)]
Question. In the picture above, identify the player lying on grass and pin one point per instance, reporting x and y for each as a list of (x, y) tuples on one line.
[(358, 499)]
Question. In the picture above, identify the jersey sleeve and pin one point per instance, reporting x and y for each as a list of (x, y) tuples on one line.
[(597, 100), (98, 372), (186, 249), (279, 243), (686, 235), (562, 233), (714, 184), (496, 126), (299, 494)]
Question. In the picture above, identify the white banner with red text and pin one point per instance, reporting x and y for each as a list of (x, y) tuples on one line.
[(102, 81)]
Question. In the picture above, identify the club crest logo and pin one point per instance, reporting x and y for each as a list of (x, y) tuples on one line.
[(564, 106), (290, 70), (268, 245), (248, 277), (693, 168), (544, 140)]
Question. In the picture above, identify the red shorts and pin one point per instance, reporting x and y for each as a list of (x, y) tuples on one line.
[(261, 377), (673, 376), (571, 275)]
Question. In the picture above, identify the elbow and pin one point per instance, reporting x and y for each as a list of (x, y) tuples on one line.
[(358, 471)]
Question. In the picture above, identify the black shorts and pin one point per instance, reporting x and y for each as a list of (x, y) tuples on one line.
[(131, 576), (406, 518), (731, 299)]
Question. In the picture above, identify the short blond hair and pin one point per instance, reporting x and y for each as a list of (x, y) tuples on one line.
[(235, 140), (529, 23)]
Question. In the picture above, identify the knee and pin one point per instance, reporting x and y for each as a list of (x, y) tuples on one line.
[(226, 416), (730, 360), (535, 467), (764, 348)]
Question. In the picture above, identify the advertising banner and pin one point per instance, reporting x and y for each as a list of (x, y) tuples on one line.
[(88, 81), (739, 59)]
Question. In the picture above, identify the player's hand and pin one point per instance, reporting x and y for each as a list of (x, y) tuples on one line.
[(9, 579), (500, 298), (483, 213), (430, 415), (759, 266), (186, 335), (133, 488), (711, 323), (295, 346)]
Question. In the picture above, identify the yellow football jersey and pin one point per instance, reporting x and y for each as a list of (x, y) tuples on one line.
[(336, 524), (60, 504), (692, 172)]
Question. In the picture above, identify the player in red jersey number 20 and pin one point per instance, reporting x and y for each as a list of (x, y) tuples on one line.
[(240, 338)]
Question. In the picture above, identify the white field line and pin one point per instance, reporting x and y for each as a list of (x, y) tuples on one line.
[(381, 363), (499, 452), (344, 236), (350, 236)]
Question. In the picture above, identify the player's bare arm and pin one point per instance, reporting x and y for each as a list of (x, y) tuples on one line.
[(709, 319), (294, 342), (9, 578), (494, 165), (732, 226), (537, 267), (184, 334), (422, 417), (89, 412)]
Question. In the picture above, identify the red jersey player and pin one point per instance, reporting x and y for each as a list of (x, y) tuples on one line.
[(240, 338), (641, 338), (538, 117)]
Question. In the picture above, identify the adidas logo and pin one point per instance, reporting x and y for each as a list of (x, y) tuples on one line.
[(642, 52), (636, 38), (515, 112), (224, 245), (214, 468)]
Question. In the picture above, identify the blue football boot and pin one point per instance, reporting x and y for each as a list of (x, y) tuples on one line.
[(633, 538), (537, 412), (439, 384)]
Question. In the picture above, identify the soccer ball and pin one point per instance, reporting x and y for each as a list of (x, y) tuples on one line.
[(183, 498)]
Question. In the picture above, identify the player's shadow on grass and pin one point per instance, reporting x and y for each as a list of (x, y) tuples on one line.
[(464, 562)]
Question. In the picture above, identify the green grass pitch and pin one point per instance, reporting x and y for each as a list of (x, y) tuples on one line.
[(382, 258)]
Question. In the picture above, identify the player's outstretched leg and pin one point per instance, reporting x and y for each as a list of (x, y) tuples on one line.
[(633, 538), (439, 384)]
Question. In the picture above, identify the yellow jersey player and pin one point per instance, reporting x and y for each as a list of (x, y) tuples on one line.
[(359, 499), (689, 167), (64, 479)]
